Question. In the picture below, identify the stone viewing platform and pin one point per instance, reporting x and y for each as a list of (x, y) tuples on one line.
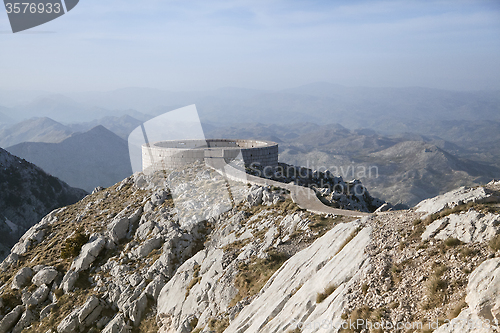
[(176, 153)]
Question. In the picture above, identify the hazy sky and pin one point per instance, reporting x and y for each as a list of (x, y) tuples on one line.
[(269, 44)]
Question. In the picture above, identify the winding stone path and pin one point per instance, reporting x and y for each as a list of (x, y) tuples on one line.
[(304, 197)]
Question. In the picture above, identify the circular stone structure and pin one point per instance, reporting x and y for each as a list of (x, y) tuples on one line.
[(176, 153)]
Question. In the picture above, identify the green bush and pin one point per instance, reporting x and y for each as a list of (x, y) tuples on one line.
[(73, 245)]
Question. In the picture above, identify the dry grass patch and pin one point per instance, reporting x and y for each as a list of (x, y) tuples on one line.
[(253, 276), (436, 288), (450, 242), (363, 314), (320, 297), (494, 243), (196, 278), (457, 309), (218, 325), (349, 238)]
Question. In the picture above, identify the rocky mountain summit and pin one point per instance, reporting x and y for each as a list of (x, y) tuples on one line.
[(27, 194), (135, 258)]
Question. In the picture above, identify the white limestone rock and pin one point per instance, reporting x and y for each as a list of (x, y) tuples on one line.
[(255, 195), (89, 311), (117, 325), (468, 227), (10, 319), (24, 322), (211, 294), (159, 197), (21, 278), (289, 297), (117, 229), (466, 322), (154, 287), (144, 229), (11, 259), (88, 253), (483, 290), (38, 297), (483, 298), (69, 324), (35, 234), (45, 276), (384, 208), (69, 280), (148, 246), (313, 268), (81, 317), (46, 311), (460, 196), (135, 279), (137, 308)]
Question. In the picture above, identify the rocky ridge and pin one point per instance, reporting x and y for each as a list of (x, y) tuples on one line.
[(123, 260), (27, 194)]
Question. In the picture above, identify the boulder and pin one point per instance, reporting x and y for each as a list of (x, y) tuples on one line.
[(22, 278), (483, 290), (154, 287), (468, 227), (81, 317), (45, 276), (9, 261), (69, 324), (460, 196), (39, 296), (159, 197), (24, 322), (148, 246), (11, 319), (144, 229), (46, 311), (118, 228), (89, 311), (137, 308), (254, 198), (88, 254), (69, 280), (117, 325)]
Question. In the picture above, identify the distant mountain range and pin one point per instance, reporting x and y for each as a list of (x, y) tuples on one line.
[(86, 160), (50, 131), (360, 125), (404, 168), (61, 109), (389, 110), (34, 130), (121, 126), (27, 194)]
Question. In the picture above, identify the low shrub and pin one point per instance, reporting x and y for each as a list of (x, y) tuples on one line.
[(73, 244), (327, 292)]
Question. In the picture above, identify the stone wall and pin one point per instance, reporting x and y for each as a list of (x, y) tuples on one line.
[(173, 154)]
